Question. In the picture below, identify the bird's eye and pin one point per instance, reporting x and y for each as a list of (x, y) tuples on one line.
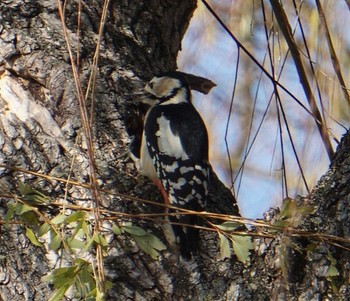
[(151, 85)]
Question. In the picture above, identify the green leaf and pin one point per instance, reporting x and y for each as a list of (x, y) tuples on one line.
[(10, 212), (31, 236), (91, 294), (332, 271), (155, 242), (108, 285), (331, 258), (76, 243), (311, 247), (88, 244), (80, 262), (20, 209), (147, 242), (134, 230), (228, 226), (63, 281), (241, 246), (150, 244), (59, 273), (24, 188), (44, 228), (59, 219), (225, 251), (86, 229), (78, 231), (62, 277), (293, 213), (281, 223), (116, 230), (307, 210), (59, 293), (288, 207), (32, 196), (74, 217), (99, 239), (55, 242), (100, 296), (85, 276), (30, 218)]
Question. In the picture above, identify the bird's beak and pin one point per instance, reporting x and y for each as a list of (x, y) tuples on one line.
[(143, 97)]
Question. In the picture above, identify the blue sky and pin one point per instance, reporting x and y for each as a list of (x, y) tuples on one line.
[(208, 51)]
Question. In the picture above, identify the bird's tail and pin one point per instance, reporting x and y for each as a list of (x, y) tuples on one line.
[(186, 235)]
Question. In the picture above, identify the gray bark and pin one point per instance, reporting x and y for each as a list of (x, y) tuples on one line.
[(41, 132)]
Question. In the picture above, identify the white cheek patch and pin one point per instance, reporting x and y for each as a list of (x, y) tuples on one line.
[(169, 144)]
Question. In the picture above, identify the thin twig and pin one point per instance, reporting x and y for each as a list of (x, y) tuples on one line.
[(287, 33), (89, 140), (254, 60), (334, 57), (228, 122)]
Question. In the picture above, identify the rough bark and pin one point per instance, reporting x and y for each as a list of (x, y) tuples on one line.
[(41, 132)]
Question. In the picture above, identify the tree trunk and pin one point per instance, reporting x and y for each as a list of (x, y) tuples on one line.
[(43, 142)]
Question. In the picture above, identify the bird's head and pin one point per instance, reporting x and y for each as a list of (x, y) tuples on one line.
[(170, 87)]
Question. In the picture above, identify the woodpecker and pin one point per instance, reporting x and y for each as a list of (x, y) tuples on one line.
[(174, 155)]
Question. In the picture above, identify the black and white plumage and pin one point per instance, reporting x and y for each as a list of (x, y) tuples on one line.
[(174, 154)]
